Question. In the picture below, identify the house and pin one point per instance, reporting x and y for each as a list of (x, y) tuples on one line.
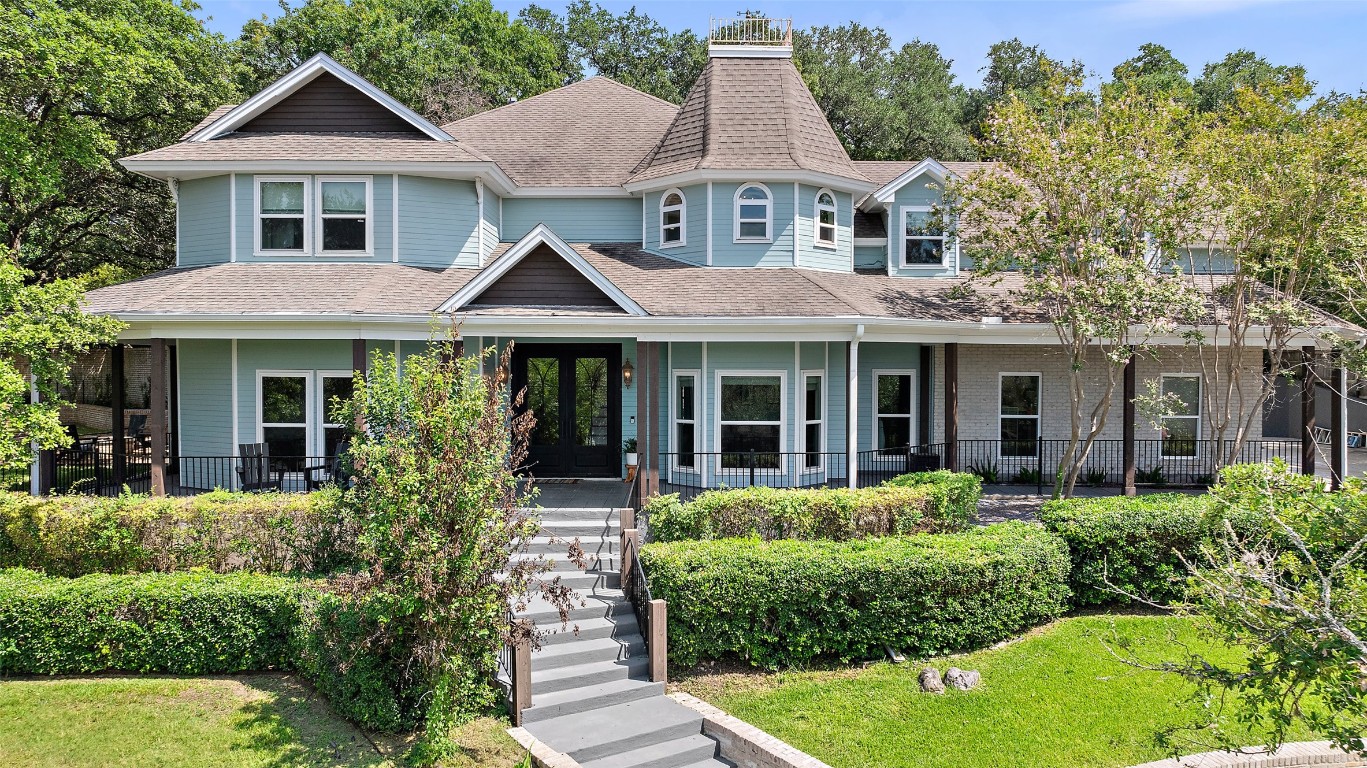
[(717, 280)]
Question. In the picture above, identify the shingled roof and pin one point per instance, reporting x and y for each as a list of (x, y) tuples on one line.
[(322, 147), (588, 134), (749, 114)]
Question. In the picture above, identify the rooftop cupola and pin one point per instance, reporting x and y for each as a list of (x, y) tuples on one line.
[(746, 37)]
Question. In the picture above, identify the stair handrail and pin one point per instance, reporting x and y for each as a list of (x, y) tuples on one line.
[(651, 614), (515, 666)]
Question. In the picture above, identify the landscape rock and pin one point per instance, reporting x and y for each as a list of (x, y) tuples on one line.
[(930, 681), (963, 679)]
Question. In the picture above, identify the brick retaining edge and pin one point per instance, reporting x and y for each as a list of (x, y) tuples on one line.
[(744, 744), (542, 755), (1301, 754)]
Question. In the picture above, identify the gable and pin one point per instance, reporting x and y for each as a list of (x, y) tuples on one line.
[(326, 104), (543, 278)]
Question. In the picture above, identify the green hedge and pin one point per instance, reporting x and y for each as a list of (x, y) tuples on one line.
[(952, 497), (788, 602), (1129, 545), (221, 531), (198, 623)]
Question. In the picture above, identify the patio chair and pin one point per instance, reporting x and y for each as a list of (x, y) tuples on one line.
[(255, 471), (137, 430), (319, 474)]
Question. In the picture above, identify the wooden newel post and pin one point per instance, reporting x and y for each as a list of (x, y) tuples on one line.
[(522, 679), (658, 643), (1308, 448)]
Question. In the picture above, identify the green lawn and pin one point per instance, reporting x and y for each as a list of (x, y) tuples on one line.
[(257, 720), (1056, 698)]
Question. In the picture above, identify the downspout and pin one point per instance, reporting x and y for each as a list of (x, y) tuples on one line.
[(852, 400)]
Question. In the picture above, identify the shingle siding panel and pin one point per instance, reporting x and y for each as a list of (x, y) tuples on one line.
[(202, 215), (326, 104), (578, 220), (437, 220)]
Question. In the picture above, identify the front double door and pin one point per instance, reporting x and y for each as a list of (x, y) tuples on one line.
[(574, 391)]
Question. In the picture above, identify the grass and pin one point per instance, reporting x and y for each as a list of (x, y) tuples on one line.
[(258, 720), (1055, 698)]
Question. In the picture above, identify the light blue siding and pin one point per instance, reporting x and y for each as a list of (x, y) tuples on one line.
[(870, 257), (577, 220), (490, 222), (920, 191), (824, 257), (694, 251), (382, 226), (204, 412), (202, 218), (726, 252), (1204, 261), (886, 357), (255, 355), (437, 222)]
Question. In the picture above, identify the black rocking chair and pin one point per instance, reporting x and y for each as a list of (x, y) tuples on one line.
[(255, 472)]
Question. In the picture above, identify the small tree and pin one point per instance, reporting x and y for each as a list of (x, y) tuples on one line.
[(441, 515), (1088, 190), (44, 328)]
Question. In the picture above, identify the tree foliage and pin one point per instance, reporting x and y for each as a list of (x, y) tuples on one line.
[(83, 83), (43, 328)]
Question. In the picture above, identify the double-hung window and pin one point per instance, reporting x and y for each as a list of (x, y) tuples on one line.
[(1019, 413), (754, 214), (813, 420), (686, 420), (750, 418), (337, 389), (673, 219), (1182, 428), (282, 214), (892, 400), (284, 416), (824, 220), (923, 237), (344, 225)]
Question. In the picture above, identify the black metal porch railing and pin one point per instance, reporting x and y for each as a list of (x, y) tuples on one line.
[(189, 475)]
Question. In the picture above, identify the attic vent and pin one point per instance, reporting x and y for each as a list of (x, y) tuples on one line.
[(748, 36)]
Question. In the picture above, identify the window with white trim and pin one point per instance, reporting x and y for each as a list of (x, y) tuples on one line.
[(754, 211), (892, 400), (813, 419), (1018, 413), (336, 389), (1182, 428), (686, 420), (923, 237), (673, 219), (750, 419), (824, 219), (282, 214), (344, 223), (283, 413)]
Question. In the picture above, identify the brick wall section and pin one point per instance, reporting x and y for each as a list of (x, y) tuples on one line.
[(1298, 755), (542, 755), (979, 398), (744, 744)]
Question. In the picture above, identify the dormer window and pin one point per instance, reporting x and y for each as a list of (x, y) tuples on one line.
[(754, 214), (923, 238), (673, 217), (281, 214), (824, 220)]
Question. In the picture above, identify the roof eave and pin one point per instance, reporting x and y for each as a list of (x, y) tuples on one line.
[(814, 178)]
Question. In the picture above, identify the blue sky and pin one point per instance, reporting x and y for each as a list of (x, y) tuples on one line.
[(1326, 37)]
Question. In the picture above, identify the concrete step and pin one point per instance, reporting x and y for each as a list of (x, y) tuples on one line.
[(621, 728), (585, 675), (561, 563), (599, 603), (677, 753), (559, 547), (583, 580), (584, 529), (620, 626), (715, 762), (587, 651), (559, 703)]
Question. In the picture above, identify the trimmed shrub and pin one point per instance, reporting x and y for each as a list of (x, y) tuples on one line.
[(191, 623), (788, 602), (951, 497), (1129, 545), (788, 513), (221, 531)]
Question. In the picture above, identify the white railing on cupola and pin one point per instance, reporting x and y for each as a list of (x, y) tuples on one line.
[(744, 30)]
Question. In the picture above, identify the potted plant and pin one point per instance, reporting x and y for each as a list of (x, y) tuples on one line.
[(629, 447)]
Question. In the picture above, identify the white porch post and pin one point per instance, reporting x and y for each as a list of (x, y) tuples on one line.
[(35, 475), (852, 400)]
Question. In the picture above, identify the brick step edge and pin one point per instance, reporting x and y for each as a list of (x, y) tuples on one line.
[(744, 744), (1300, 754), (542, 755)]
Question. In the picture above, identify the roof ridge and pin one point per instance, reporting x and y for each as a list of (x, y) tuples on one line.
[(620, 84), (564, 87), (841, 299), (790, 118)]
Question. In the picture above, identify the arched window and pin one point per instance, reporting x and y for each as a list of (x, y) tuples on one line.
[(824, 219), (754, 214), (673, 218)]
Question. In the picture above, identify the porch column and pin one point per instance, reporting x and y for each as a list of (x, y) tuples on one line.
[(643, 383), (952, 406), (1308, 410), (1338, 389), (173, 409), (925, 402), (1127, 437), (117, 430), (654, 415), (156, 421), (42, 473), (358, 356)]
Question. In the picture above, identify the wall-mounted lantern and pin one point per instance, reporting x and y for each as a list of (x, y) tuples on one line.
[(628, 372)]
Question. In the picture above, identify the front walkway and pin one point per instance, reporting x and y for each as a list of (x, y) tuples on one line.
[(579, 493)]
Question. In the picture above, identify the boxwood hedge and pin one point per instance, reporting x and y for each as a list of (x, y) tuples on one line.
[(951, 497), (787, 602)]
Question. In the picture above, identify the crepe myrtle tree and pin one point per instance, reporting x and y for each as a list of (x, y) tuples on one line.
[(1088, 191), (42, 331), (442, 518), (1283, 181)]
